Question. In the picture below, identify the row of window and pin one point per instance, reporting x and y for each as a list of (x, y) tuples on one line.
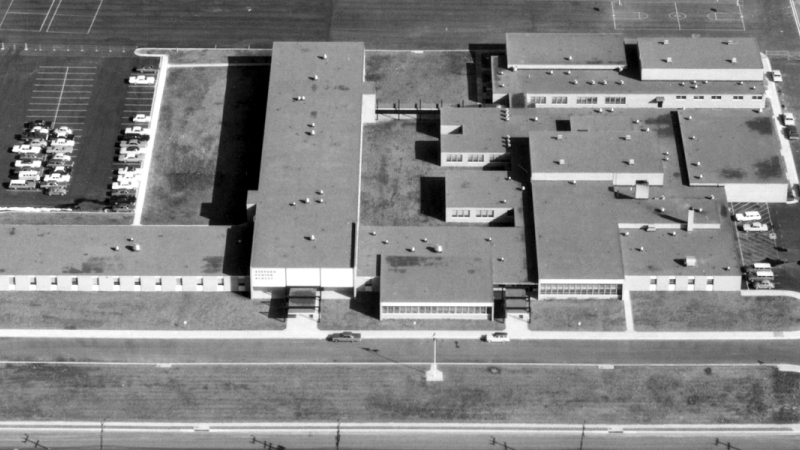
[(717, 97), (691, 281), (457, 157), (580, 289), (53, 281), (539, 100), (435, 309), (461, 213)]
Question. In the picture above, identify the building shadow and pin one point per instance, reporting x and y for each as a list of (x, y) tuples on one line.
[(236, 259), (240, 143), (432, 197), (429, 124), (365, 303), (427, 151)]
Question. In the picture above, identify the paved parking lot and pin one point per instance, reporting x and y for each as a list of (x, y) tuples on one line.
[(89, 95), (756, 246)]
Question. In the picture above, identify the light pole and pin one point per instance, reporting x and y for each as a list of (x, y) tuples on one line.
[(434, 374)]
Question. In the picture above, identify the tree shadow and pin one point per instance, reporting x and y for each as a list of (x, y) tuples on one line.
[(240, 143)]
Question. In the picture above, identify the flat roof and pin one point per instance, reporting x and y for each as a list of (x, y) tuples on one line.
[(436, 278), (598, 152), (665, 254), (565, 49), (296, 165), (88, 250), (481, 189), (495, 243), (579, 82), (732, 146), (699, 53)]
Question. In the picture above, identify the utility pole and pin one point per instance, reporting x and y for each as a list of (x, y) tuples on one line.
[(338, 434), (434, 374), (102, 426), (583, 433)]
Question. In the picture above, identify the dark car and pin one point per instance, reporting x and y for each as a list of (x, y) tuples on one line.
[(123, 192), (345, 336), (791, 133), (137, 136)]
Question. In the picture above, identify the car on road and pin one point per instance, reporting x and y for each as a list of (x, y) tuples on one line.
[(498, 337), (26, 149), (748, 216), (788, 119), (754, 226), (22, 185), (777, 76), (28, 163), (56, 190), (123, 207), (791, 133), (762, 284), (142, 79), (141, 118), (345, 336)]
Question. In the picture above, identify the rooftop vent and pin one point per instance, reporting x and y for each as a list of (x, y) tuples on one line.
[(312, 238), (561, 162), (693, 137), (535, 119), (690, 261), (439, 249), (574, 81), (697, 164), (412, 249), (700, 177), (621, 81), (694, 86), (669, 59), (568, 72), (569, 58), (503, 201), (627, 137), (661, 209), (627, 233), (549, 72), (647, 130), (733, 60), (651, 228), (315, 77), (604, 82), (740, 83), (636, 121), (752, 88), (665, 42), (560, 137), (689, 118), (641, 249), (705, 81), (631, 162), (324, 56), (728, 42), (573, 182), (672, 233), (591, 82), (681, 84)]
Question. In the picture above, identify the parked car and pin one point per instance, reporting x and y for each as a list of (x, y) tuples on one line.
[(123, 192), (125, 184), (131, 157), (22, 185), (499, 337), (36, 142), (32, 156), (345, 336), (60, 149), (748, 216), (142, 79), (39, 123), (62, 157), (62, 142), (29, 174), (56, 190), (63, 130), (777, 76), (28, 163), (137, 136), (26, 149), (127, 169), (123, 208), (147, 69), (762, 284), (791, 133), (141, 118), (58, 168), (788, 119), (52, 184), (122, 199), (137, 130), (128, 176), (58, 176), (755, 226), (54, 164)]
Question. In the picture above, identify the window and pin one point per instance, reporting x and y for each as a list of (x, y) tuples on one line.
[(710, 282), (485, 213), (137, 282), (454, 157), (699, 97), (672, 281), (460, 213), (158, 281), (681, 97), (615, 100), (116, 281), (716, 97), (587, 100), (738, 97), (220, 281), (53, 281), (691, 281), (758, 97), (653, 281), (475, 158), (538, 100), (74, 281), (559, 100)]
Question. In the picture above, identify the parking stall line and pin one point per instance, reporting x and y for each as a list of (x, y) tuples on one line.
[(53, 17), (45, 16)]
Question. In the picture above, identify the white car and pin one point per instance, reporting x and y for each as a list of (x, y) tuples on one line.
[(134, 170), (63, 142), (63, 132), (125, 184), (29, 174), (137, 130), (61, 157), (26, 149), (500, 336), (28, 163), (130, 157), (141, 118), (133, 143), (788, 119), (57, 177), (748, 216), (755, 226), (142, 79), (128, 176), (777, 76)]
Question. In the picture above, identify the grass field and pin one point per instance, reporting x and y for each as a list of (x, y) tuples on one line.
[(564, 315), (713, 311), (430, 77), (361, 314), (397, 155), (399, 393), (17, 218), (217, 56), (133, 311), (208, 146)]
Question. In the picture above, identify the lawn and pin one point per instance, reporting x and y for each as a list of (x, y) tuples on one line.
[(398, 157), (713, 311), (388, 393), (430, 77), (565, 315), (216, 56), (208, 146), (361, 314), (20, 218), (133, 311)]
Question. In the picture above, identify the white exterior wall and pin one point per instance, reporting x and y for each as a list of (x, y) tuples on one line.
[(126, 283), (421, 316), (682, 74), (487, 160), (618, 179), (758, 193), (501, 215), (726, 283), (671, 101)]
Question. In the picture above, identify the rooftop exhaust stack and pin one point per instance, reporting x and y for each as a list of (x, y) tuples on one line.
[(561, 162), (560, 137), (631, 162), (733, 60), (627, 137), (669, 59), (690, 261), (439, 249), (665, 42)]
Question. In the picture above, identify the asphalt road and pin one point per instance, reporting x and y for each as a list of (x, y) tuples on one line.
[(388, 439), (389, 351)]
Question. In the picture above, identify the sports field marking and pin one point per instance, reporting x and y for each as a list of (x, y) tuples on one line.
[(631, 15), (68, 67)]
